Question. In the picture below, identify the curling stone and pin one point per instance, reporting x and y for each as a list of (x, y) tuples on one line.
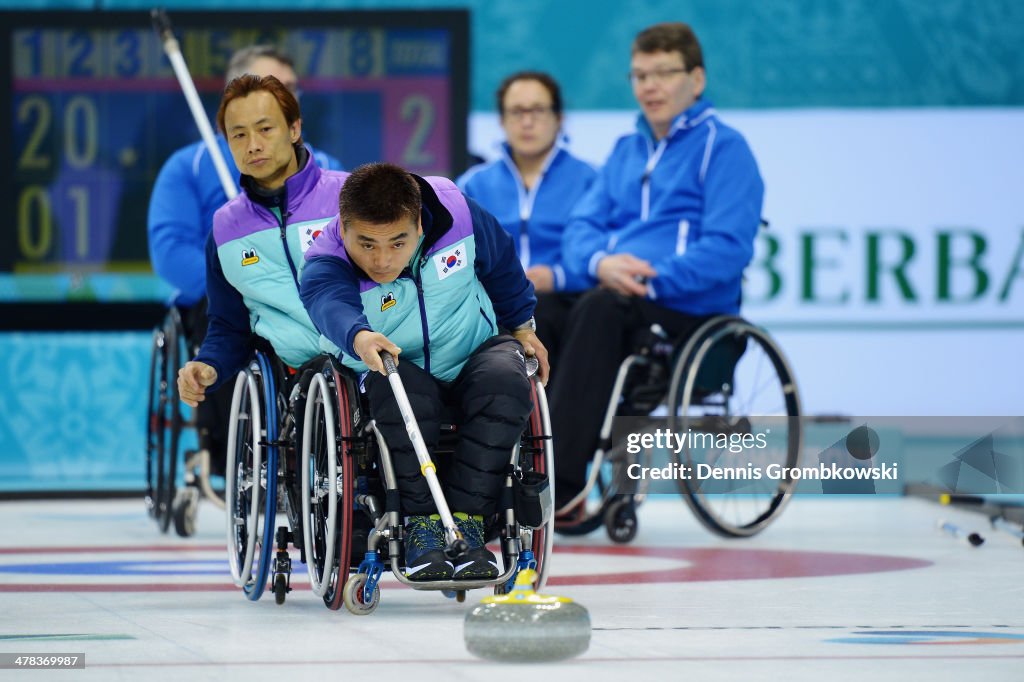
[(526, 627)]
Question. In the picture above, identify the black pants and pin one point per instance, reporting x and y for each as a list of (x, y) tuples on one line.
[(490, 403), (598, 336), (551, 314)]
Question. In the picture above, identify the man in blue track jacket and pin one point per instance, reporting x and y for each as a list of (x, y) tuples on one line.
[(665, 232), (413, 267), (532, 190)]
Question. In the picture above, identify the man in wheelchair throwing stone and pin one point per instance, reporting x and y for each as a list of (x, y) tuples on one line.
[(413, 268)]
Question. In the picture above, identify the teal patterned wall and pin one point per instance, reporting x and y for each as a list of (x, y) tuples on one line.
[(760, 53), (72, 410)]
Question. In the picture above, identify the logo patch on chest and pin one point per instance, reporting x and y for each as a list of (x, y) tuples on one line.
[(249, 257), (388, 301), (451, 261)]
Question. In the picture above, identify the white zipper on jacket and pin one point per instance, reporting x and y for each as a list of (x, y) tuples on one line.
[(654, 156), (527, 199)]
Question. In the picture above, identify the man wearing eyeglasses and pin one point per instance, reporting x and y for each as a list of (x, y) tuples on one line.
[(185, 196), (665, 233)]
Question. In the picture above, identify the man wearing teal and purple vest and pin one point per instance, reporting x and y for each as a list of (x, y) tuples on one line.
[(413, 267), (254, 252)]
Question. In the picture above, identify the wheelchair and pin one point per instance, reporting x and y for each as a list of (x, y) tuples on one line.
[(257, 479), (320, 458), (167, 427), (729, 378)]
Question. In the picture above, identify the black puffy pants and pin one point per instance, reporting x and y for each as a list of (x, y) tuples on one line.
[(489, 403)]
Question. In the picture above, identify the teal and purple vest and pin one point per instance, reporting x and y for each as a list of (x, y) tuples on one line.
[(438, 311), (264, 268)]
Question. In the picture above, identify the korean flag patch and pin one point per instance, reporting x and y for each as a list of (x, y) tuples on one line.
[(451, 261), (308, 232)]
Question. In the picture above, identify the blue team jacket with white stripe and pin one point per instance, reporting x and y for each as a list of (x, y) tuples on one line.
[(689, 204), (536, 218)]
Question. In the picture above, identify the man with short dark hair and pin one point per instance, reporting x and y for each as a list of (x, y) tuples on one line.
[(413, 267), (185, 196), (254, 252), (665, 232)]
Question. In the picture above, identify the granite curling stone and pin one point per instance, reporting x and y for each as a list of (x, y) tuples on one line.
[(526, 627)]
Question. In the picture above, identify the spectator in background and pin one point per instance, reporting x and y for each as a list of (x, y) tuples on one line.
[(665, 231), (531, 190), (181, 207)]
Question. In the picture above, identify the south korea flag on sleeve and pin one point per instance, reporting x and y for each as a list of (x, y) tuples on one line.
[(309, 231)]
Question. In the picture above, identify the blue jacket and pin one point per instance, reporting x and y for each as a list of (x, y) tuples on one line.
[(254, 256), (186, 195), (689, 204), (462, 283), (536, 218)]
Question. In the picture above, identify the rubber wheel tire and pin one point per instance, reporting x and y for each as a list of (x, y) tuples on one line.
[(280, 589), (353, 596), (620, 521)]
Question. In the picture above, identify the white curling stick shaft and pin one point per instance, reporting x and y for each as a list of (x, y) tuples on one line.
[(173, 52), (427, 468)]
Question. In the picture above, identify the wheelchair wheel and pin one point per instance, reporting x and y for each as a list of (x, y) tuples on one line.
[(538, 437), (353, 596), (185, 508), (164, 420), (327, 474), (251, 479), (620, 520), (734, 398)]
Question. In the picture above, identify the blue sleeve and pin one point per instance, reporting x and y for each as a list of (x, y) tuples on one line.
[(228, 343), (325, 160), (586, 236), (463, 182), (499, 270), (329, 290), (175, 229), (733, 195), (565, 279)]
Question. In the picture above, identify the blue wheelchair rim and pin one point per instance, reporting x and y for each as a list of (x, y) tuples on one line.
[(254, 589)]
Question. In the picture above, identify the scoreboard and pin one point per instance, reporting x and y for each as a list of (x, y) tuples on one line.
[(93, 110)]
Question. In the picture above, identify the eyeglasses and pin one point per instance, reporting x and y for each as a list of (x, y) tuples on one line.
[(521, 113), (657, 76)]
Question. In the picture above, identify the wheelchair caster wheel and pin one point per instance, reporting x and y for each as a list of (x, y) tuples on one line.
[(184, 509), (353, 596), (620, 521), (280, 588)]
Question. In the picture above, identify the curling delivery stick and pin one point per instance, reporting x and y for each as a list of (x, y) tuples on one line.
[(456, 544), (162, 25)]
